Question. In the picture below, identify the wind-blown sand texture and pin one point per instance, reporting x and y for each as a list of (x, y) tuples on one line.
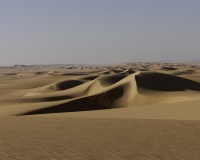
[(126, 111)]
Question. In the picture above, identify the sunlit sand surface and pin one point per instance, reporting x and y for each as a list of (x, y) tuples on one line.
[(125, 111)]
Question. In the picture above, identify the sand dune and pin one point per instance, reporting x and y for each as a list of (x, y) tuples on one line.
[(109, 99), (83, 88)]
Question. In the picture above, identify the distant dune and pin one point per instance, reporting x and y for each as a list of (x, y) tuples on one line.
[(82, 88), (48, 96)]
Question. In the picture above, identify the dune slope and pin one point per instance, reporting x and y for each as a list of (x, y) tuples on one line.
[(44, 90), (126, 111)]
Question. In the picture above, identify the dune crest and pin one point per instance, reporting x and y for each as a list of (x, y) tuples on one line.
[(60, 89)]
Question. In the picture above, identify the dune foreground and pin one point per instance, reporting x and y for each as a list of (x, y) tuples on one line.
[(126, 111)]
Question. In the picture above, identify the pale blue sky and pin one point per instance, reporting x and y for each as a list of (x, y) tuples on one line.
[(98, 31)]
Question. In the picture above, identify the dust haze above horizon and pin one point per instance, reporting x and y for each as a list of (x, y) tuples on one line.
[(98, 32)]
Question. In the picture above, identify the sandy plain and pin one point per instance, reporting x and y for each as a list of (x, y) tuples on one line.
[(125, 111)]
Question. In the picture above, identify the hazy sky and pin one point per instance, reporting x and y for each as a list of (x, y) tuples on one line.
[(98, 31)]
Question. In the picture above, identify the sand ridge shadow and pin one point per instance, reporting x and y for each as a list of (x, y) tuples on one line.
[(165, 82), (67, 84), (108, 80), (82, 104)]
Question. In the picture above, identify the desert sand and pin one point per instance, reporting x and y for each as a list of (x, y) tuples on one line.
[(122, 111)]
